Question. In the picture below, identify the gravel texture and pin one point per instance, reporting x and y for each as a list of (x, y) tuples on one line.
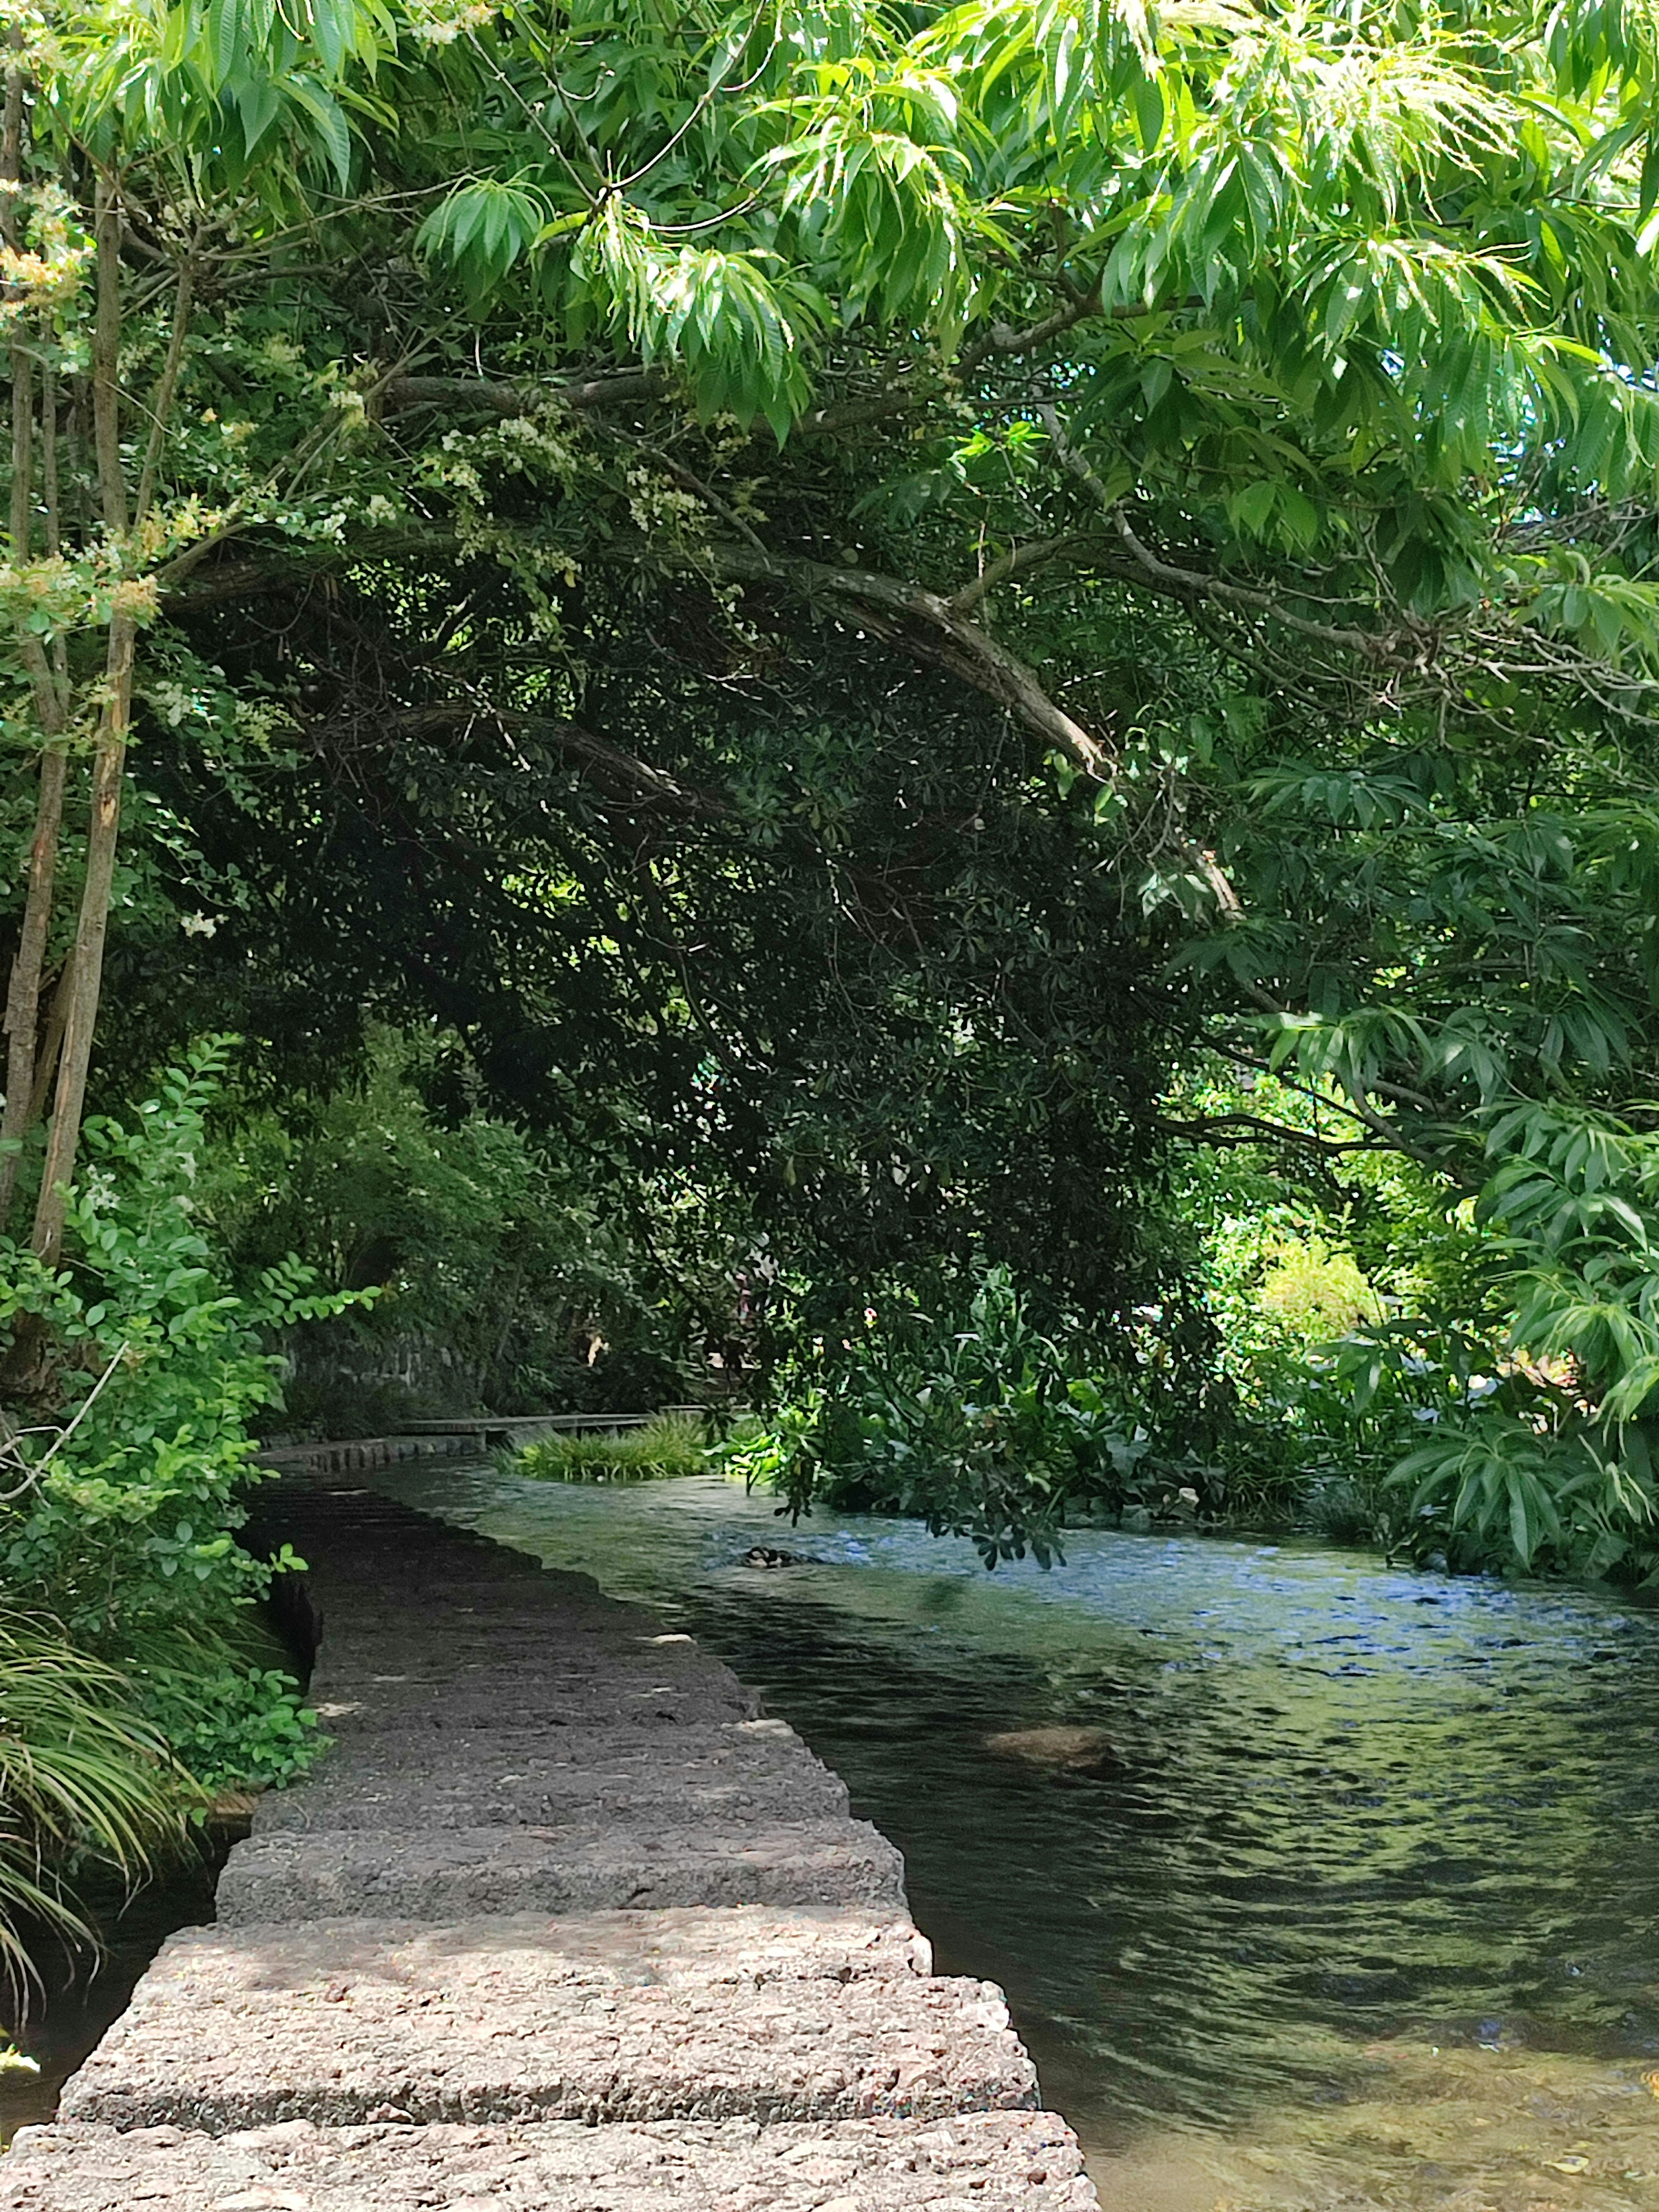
[(996, 2162)]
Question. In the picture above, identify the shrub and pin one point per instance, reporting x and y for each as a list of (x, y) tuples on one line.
[(142, 1370), (977, 1423)]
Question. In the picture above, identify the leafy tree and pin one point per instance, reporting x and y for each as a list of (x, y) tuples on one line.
[(1195, 462)]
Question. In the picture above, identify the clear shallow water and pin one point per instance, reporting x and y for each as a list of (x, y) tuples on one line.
[(1308, 1881)]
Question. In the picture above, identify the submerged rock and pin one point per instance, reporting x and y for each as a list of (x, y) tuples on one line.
[(1069, 1750)]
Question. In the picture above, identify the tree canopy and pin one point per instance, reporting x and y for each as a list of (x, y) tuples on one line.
[(839, 598)]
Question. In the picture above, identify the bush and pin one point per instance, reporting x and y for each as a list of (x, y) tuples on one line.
[(977, 1423), (503, 1280), (142, 1370)]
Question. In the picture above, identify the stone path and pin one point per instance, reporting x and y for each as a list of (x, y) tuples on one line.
[(564, 1924)]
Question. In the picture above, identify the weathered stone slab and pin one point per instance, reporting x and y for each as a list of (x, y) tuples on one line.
[(417, 1752), (457, 1874), (474, 2038), (701, 1775), (522, 1957), (527, 1705), (522, 1630), (996, 2161), (561, 1684), (513, 1659)]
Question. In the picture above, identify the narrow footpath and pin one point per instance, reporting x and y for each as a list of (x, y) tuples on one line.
[(562, 1924)]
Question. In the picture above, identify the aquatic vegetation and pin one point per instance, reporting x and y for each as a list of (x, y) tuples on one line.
[(672, 1445)]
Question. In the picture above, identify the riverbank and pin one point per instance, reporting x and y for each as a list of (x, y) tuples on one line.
[(562, 1919)]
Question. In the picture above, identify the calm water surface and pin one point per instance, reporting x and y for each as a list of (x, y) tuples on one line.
[(1309, 1881)]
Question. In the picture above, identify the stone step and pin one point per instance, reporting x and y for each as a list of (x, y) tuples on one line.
[(738, 1785), (994, 2161), (417, 1753), (249, 2037), (506, 1654), (518, 1958), (350, 1709), (457, 1874), (480, 1630)]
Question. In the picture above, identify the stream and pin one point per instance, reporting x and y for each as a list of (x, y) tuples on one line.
[(1310, 1881)]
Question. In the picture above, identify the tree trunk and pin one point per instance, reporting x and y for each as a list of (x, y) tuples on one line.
[(23, 1014), (23, 998), (86, 970), (86, 961)]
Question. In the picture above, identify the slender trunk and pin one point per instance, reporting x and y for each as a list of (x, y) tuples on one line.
[(22, 1013), (46, 1060), (23, 996), (161, 404), (49, 463), (22, 455), (54, 522), (11, 136), (86, 961), (86, 971), (107, 360)]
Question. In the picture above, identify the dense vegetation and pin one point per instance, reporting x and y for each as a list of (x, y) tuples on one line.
[(943, 713)]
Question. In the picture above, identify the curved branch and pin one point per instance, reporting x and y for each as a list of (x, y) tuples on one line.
[(1002, 339), (922, 622), (634, 779), (1014, 563)]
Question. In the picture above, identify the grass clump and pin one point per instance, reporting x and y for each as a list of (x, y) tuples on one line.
[(669, 1446), (86, 1779)]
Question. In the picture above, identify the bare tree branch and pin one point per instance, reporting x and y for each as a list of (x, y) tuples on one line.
[(482, 395), (1014, 563), (922, 621)]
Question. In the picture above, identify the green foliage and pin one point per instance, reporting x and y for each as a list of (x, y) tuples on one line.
[(498, 1277), (86, 1777), (661, 1450), (829, 596), (147, 1371), (1316, 1293), (985, 1429), (1546, 1461)]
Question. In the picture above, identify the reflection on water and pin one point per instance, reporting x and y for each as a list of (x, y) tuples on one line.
[(1308, 1880)]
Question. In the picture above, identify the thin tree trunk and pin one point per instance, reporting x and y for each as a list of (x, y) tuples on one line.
[(86, 974), (86, 961), (22, 1013), (106, 360), (23, 996), (161, 405), (46, 1060)]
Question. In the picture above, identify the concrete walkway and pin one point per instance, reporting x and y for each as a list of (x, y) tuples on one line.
[(562, 1924)]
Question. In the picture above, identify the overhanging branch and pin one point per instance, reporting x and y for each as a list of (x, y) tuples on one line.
[(924, 623), (483, 395)]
